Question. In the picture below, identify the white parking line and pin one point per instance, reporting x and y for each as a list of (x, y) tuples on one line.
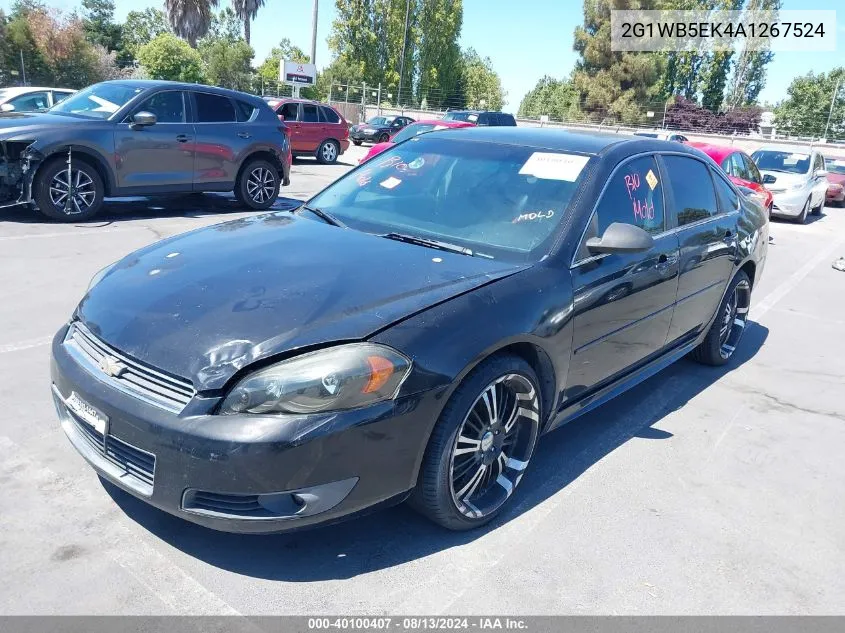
[(20, 345), (7, 238)]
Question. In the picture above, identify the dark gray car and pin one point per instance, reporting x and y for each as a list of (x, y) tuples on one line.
[(126, 138)]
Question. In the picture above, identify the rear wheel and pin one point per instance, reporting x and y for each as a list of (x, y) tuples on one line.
[(258, 185), (481, 445), (328, 152), (68, 195), (724, 335)]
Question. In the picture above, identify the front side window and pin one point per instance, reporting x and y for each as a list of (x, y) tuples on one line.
[(169, 107), (214, 108), (99, 101), (692, 189), (30, 102), (787, 162), (500, 201), (290, 111), (634, 195)]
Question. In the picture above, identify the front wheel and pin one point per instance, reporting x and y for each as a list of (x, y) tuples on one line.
[(68, 193), (727, 329), (818, 210), (356, 142), (481, 445), (258, 185), (802, 218)]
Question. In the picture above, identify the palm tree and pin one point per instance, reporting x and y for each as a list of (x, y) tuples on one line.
[(190, 19), (246, 10)]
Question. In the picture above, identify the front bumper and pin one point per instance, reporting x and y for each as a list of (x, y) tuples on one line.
[(789, 203), (371, 137), (254, 474)]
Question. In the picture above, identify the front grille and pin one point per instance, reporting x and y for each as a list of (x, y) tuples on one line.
[(156, 387), (128, 459)]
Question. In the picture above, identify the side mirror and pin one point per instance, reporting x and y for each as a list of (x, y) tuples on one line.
[(281, 117), (621, 238), (820, 173), (7, 107), (143, 119), (768, 179)]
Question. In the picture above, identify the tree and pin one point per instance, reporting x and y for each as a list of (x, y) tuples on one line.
[(99, 25), (806, 109), (749, 76), (225, 25), (685, 114), (190, 19), (168, 57), (141, 27), (439, 56), (481, 85), (246, 10), (555, 98), (614, 85), (269, 69), (227, 63)]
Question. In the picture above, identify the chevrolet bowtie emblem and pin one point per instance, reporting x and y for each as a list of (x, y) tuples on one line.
[(111, 366)]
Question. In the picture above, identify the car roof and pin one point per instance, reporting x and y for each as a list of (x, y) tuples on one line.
[(18, 90), (716, 152), (148, 84), (784, 148)]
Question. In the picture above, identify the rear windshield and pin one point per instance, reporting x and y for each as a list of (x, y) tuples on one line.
[(501, 201), (788, 162)]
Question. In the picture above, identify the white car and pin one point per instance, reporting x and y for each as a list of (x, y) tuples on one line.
[(664, 136), (797, 179), (31, 99)]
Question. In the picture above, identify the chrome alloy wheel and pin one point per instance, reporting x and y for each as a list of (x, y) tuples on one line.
[(260, 185), (493, 445), (82, 197), (329, 152), (734, 318)]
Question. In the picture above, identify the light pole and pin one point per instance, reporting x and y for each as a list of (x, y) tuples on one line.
[(314, 32), (404, 46), (832, 103)]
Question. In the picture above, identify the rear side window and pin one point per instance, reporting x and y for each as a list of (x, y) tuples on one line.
[(243, 110), (214, 108), (728, 198), (634, 195), (309, 113), (692, 188), (330, 115)]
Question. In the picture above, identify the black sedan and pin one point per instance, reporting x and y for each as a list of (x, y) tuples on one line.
[(379, 129), (409, 332)]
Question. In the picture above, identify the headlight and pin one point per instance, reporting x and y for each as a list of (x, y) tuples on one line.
[(757, 197), (335, 379), (98, 276)]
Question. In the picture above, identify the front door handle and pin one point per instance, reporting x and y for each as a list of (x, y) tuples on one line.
[(729, 238), (244, 134), (182, 138)]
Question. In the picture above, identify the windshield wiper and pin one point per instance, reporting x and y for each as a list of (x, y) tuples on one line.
[(422, 241), (327, 218)]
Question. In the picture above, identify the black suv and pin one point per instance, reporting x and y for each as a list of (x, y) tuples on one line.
[(480, 117), (129, 138)]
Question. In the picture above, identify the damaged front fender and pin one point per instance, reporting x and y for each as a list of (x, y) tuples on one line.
[(18, 163)]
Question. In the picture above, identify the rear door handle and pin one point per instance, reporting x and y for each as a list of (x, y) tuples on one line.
[(244, 134), (182, 138)]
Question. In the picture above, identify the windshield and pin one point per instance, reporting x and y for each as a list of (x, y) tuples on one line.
[(99, 101), (500, 201), (788, 162), (469, 117), (415, 129), (836, 167), (380, 120)]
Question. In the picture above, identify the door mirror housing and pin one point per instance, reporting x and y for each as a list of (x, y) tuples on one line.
[(7, 107), (820, 173), (768, 179), (621, 238), (143, 119)]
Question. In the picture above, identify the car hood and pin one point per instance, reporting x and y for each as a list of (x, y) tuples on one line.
[(784, 180), (25, 124), (205, 304), (375, 150), (362, 126)]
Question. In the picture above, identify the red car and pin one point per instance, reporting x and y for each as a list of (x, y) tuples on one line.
[(418, 127), (740, 168), (315, 129), (836, 181)]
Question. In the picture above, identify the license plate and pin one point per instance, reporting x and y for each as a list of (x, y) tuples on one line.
[(87, 413)]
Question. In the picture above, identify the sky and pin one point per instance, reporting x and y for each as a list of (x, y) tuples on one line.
[(524, 40)]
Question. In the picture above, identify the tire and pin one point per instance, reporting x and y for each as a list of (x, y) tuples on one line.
[(727, 329), (447, 491), (384, 138), (769, 212), (818, 210), (802, 219), (51, 181), (328, 152), (258, 184), (356, 142)]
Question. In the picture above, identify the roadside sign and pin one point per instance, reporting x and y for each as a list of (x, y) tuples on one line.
[(297, 74)]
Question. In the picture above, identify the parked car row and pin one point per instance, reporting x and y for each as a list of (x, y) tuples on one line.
[(31, 99)]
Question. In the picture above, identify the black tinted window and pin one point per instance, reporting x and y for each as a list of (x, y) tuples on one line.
[(728, 199), (290, 111), (309, 113), (244, 110), (30, 102), (692, 188), (741, 169), (214, 108), (169, 107), (506, 119), (330, 115), (634, 195)]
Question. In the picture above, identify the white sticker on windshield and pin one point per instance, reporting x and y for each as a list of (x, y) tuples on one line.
[(390, 183), (554, 166)]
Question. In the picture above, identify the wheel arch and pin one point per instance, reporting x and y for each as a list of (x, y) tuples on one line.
[(260, 154), (84, 153)]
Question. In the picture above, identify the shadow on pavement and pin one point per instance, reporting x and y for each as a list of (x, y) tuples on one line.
[(188, 205), (398, 535)]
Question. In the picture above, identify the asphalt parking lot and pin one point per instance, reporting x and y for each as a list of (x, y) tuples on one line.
[(702, 491)]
